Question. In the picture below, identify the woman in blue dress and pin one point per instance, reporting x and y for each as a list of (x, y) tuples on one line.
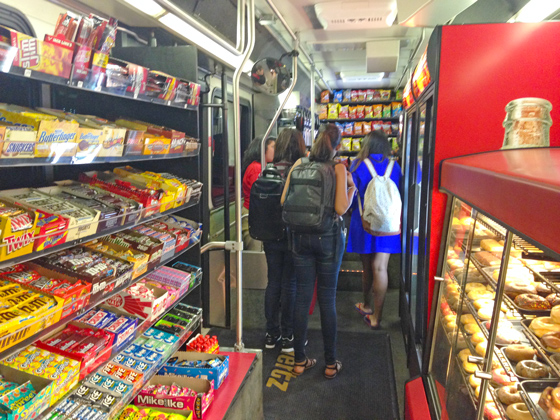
[(374, 250)]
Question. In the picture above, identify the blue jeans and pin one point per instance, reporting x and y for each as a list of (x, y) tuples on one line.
[(317, 257), (280, 293)]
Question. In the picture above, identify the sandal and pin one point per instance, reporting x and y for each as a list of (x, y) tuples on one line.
[(337, 367), (367, 321), (360, 308), (306, 365)]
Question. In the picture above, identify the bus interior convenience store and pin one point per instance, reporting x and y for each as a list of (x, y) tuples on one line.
[(279, 209)]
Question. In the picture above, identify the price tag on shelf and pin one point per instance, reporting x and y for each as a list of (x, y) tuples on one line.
[(27, 73), (80, 84)]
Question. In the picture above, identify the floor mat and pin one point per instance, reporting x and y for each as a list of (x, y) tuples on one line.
[(365, 387)]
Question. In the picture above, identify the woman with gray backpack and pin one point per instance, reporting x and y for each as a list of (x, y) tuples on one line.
[(318, 191), (376, 219)]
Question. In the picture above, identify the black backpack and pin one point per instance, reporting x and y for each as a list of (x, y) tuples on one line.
[(265, 210), (309, 204)]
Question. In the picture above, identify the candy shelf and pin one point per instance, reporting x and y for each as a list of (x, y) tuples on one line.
[(19, 72), (36, 254), (138, 332), (396, 119), (22, 344), (374, 102), (64, 160)]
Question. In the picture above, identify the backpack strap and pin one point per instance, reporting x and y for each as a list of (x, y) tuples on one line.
[(370, 167), (389, 169)]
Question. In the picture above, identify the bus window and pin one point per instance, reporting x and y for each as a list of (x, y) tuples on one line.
[(217, 158)]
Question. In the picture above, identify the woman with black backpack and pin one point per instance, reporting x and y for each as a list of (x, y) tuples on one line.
[(318, 191), (280, 294)]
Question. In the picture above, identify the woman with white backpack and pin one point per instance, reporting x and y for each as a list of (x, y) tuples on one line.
[(375, 225)]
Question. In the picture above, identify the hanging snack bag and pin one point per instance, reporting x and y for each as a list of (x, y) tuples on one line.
[(325, 97), (356, 145), (385, 94), (347, 95), (378, 111), (376, 95), (398, 95), (355, 95), (366, 127), (376, 125), (343, 112), (368, 111), (395, 129), (386, 111), (360, 111), (352, 112), (362, 95), (323, 112), (348, 129), (337, 96), (369, 95), (358, 129), (397, 109), (346, 144), (333, 111), (387, 128), (340, 127)]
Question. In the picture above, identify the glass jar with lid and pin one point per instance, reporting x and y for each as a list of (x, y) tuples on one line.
[(527, 123)]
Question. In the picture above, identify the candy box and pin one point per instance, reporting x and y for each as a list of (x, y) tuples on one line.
[(216, 374), (131, 239), (17, 233), (156, 145), (16, 142), (197, 404), (89, 143), (138, 259), (203, 341), (28, 408), (187, 414), (38, 55), (169, 240), (142, 306)]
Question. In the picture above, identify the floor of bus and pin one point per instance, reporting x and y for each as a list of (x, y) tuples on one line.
[(349, 321)]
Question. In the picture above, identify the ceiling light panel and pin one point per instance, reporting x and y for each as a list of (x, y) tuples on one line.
[(537, 10), (149, 7)]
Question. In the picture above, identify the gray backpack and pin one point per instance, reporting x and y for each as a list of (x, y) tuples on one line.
[(309, 203)]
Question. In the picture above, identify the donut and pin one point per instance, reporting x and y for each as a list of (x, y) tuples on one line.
[(470, 367), (449, 318), (480, 303), (541, 325), (551, 342), (469, 287), (501, 378), (481, 348), (519, 352), (543, 289), (518, 411), (509, 395), (478, 337), (450, 326), (502, 323), (464, 355), (461, 341), (555, 314), (471, 328), (474, 381), (477, 393), (467, 319), (514, 288), (531, 301), (485, 313), (551, 265), (480, 294), (532, 369), (508, 336), (454, 263), (553, 299), (491, 411)]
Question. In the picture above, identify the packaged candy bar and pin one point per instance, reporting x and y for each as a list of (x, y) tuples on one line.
[(157, 415), (163, 390), (13, 269), (128, 413), (84, 317), (92, 344), (96, 379)]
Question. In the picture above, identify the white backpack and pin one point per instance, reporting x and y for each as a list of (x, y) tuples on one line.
[(381, 212)]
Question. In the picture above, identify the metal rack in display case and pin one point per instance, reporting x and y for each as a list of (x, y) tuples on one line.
[(502, 241)]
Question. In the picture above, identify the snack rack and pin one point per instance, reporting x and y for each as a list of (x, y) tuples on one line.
[(474, 215), (361, 98), (33, 89)]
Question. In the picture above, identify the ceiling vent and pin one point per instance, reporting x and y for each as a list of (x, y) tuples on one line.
[(430, 13), (352, 14), (382, 56)]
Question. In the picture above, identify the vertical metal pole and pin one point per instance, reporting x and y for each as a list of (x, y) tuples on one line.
[(280, 108), (312, 106), (494, 327), (240, 24), (237, 153), (225, 154)]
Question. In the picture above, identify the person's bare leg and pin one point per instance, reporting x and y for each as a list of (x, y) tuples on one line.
[(379, 263), (367, 281)]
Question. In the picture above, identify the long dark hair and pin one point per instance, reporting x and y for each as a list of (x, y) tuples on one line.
[(289, 146), (374, 143), (253, 152), (325, 143)]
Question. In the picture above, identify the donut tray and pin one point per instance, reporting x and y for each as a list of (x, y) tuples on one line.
[(501, 407), (531, 392), (512, 365), (536, 342)]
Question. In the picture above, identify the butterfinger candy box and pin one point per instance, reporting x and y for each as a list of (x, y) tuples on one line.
[(17, 230)]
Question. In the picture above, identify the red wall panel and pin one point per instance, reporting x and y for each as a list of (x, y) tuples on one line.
[(482, 68)]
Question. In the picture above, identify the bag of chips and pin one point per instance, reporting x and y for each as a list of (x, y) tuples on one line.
[(360, 111), (355, 95), (337, 96), (347, 95), (325, 97), (386, 111), (323, 112), (346, 144), (349, 129), (369, 95), (387, 128), (333, 111), (385, 94), (397, 109), (358, 128), (366, 127), (361, 95), (378, 111), (343, 111), (368, 111), (356, 145), (352, 112)]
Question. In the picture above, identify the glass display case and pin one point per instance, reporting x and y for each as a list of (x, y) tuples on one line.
[(494, 341)]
